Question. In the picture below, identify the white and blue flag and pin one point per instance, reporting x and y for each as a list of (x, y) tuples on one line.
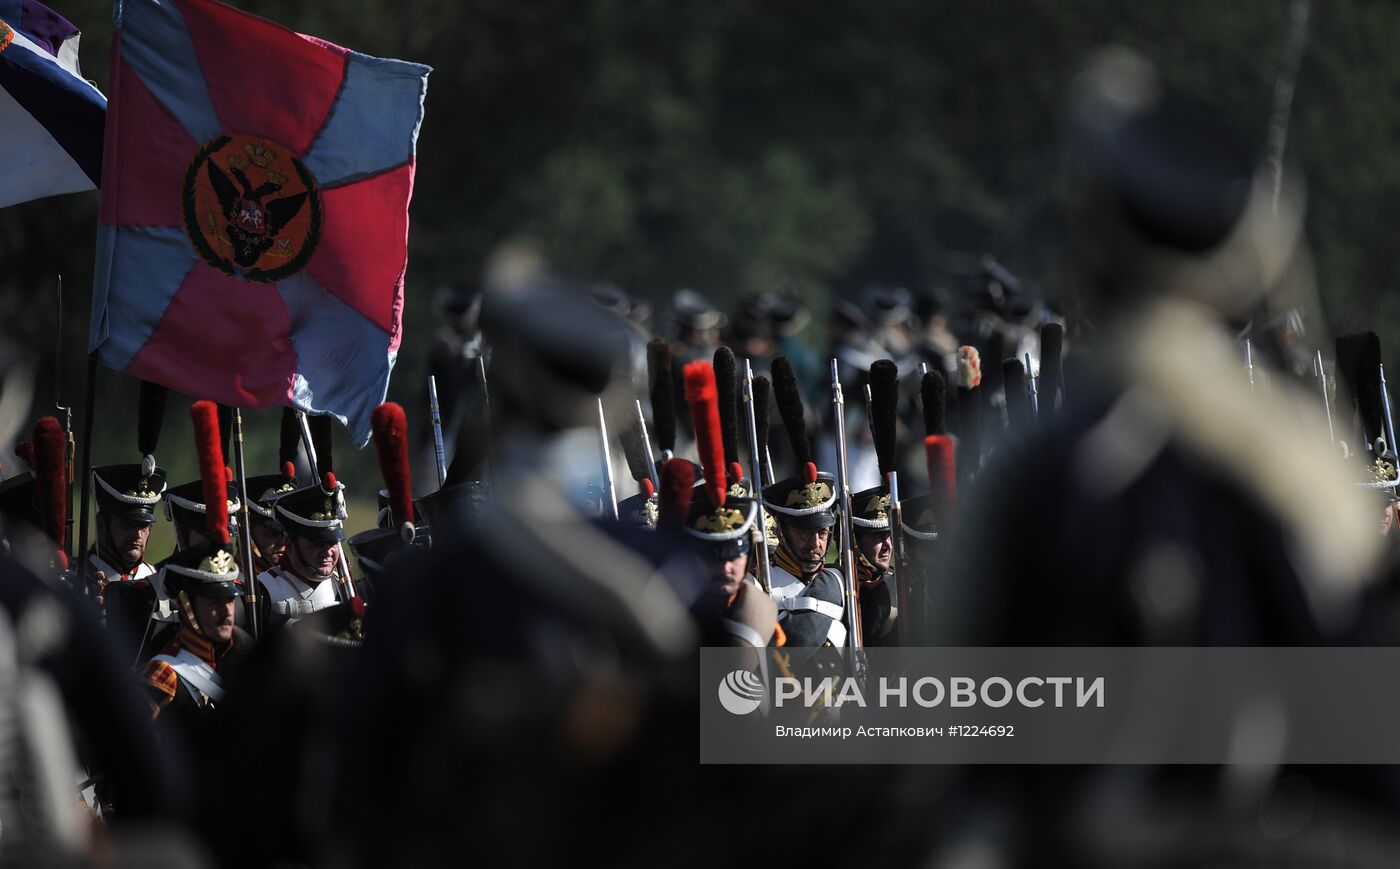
[(51, 118)]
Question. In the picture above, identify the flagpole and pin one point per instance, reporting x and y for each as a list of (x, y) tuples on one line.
[(67, 411), (89, 399)]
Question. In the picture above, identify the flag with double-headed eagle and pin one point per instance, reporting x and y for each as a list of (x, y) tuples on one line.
[(50, 116), (253, 232)]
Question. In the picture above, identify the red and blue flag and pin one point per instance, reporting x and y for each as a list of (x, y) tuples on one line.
[(253, 231), (50, 116)]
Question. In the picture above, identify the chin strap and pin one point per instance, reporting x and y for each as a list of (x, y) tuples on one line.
[(187, 610)]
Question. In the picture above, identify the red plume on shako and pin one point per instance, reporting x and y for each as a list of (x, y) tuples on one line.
[(677, 489), (390, 427), (212, 473), (703, 398)]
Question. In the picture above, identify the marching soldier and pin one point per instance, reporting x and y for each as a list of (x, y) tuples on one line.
[(121, 580), (810, 596), (266, 537), (874, 546), (720, 518), (126, 499), (305, 581), (188, 511), (186, 680), (724, 540), (872, 514)]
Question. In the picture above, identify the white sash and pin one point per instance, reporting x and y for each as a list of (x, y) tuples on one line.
[(195, 672)]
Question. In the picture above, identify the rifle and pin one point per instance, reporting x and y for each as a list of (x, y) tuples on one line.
[(1030, 384), (244, 524), (646, 445), (765, 574), (609, 494), (843, 489), (488, 451), (1385, 405), (1320, 372), (435, 413), (901, 572)]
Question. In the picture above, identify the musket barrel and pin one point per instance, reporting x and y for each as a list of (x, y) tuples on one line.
[(1031, 385), (843, 489), (435, 412), (901, 573), (1321, 372), (609, 490), (1385, 405), (489, 451), (245, 529), (646, 444)]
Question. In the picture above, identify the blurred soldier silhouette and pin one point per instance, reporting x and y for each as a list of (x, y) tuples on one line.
[(1171, 501)]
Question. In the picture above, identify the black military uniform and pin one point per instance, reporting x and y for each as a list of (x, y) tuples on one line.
[(185, 508), (1149, 511), (185, 682), (126, 593), (879, 598)]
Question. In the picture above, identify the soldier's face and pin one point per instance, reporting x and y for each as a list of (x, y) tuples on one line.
[(877, 547), (191, 536), (318, 558), (215, 617), (126, 540), (728, 574), (809, 546), (271, 542)]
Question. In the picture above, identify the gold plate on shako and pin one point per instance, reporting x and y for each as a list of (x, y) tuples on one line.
[(721, 521), (809, 495), (252, 210), (1382, 471), (879, 506)]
